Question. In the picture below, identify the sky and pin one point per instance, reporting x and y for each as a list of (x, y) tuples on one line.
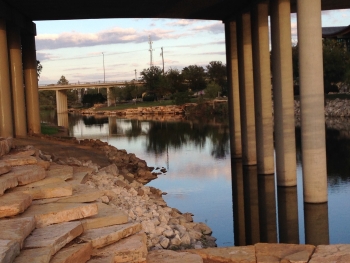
[(91, 50)]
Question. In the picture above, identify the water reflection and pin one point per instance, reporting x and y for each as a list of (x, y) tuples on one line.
[(316, 224)]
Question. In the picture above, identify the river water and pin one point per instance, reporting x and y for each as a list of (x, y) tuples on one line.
[(240, 206)]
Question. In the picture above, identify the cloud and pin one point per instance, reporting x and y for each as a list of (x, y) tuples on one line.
[(215, 28), (42, 56), (182, 22), (213, 53), (115, 35)]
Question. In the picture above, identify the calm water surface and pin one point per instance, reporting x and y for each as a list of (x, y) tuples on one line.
[(243, 208)]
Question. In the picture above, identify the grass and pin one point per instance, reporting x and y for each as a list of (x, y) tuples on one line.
[(343, 96), (48, 129)]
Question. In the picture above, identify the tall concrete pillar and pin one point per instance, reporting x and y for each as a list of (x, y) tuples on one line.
[(282, 76), (262, 88), (267, 208), (16, 68), (312, 101), (62, 120), (288, 221), (6, 123), (31, 83), (61, 101), (238, 202), (109, 97), (233, 89), (246, 89)]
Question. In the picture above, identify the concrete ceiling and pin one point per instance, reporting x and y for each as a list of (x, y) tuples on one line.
[(36, 10)]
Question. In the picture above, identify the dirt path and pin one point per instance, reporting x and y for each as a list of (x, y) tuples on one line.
[(65, 149)]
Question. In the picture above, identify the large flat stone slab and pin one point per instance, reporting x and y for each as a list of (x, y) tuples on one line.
[(109, 259), (55, 236), (76, 253), (18, 160), (226, 254), (54, 213), (27, 174), (5, 145), (45, 181), (270, 253), (107, 216), (47, 191), (102, 237), (339, 253), (16, 229), (132, 249), (6, 182), (4, 168), (64, 172), (36, 255), (82, 194), (169, 256), (9, 249), (12, 204)]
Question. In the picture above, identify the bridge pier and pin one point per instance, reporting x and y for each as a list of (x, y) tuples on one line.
[(61, 101), (15, 51), (31, 83), (262, 89), (282, 72), (312, 101), (6, 122), (246, 89), (233, 89)]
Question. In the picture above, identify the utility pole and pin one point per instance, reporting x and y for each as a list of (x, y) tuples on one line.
[(162, 54), (150, 42), (104, 72), (136, 86), (135, 75)]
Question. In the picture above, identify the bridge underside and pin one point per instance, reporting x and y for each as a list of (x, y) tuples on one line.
[(91, 9)]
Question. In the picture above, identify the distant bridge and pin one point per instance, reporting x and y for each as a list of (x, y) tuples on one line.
[(83, 85)]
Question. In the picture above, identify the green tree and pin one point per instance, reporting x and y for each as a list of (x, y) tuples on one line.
[(63, 81), (195, 76), (217, 73), (154, 80), (39, 68), (175, 81), (212, 90)]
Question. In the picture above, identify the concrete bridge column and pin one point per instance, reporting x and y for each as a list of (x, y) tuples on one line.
[(233, 89), (61, 101), (16, 68), (262, 88), (6, 123), (282, 76), (31, 83), (109, 99), (312, 101), (246, 89)]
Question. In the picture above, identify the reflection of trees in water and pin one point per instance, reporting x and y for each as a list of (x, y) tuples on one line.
[(162, 135), (135, 130), (91, 120)]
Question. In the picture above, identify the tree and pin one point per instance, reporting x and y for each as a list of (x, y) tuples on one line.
[(154, 80), (175, 81), (212, 90), (195, 76), (217, 73), (39, 68), (63, 81)]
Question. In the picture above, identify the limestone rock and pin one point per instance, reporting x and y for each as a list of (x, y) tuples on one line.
[(108, 259), (132, 249), (169, 256), (54, 213), (47, 191), (54, 236), (5, 145), (226, 254), (64, 172), (339, 253), (82, 194), (6, 182), (4, 168), (102, 237), (9, 249), (107, 216), (27, 174), (45, 181), (24, 153), (77, 253), (37, 255), (164, 242), (17, 161), (269, 253), (203, 228), (16, 229), (111, 169), (14, 203), (43, 164)]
